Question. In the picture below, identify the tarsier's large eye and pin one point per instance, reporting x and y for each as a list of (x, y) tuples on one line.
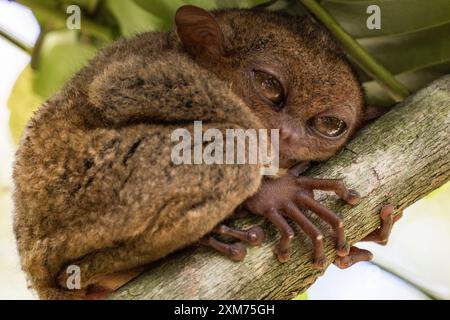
[(328, 126), (269, 88)]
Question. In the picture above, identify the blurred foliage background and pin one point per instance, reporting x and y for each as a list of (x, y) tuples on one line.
[(413, 45)]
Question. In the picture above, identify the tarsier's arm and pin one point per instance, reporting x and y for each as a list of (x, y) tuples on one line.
[(179, 92)]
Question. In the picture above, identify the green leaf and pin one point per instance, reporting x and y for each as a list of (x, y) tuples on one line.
[(133, 19), (52, 15), (396, 89), (399, 16), (412, 51), (414, 81), (61, 56), (166, 9), (46, 20), (88, 5), (22, 102)]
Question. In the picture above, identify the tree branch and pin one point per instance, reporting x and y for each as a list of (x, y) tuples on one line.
[(398, 159)]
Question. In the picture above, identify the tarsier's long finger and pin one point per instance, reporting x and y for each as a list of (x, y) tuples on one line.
[(287, 234), (234, 251), (355, 255), (311, 231), (337, 186), (254, 236), (381, 235), (330, 217)]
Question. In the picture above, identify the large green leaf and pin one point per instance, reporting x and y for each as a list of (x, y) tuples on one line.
[(132, 18), (89, 6), (22, 102), (413, 80), (166, 9), (62, 54), (397, 16), (412, 51)]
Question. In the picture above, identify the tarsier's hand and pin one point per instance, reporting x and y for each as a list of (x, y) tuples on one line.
[(380, 236), (289, 197)]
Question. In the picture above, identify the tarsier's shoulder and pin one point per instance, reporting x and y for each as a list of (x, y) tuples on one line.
[(150, 45), (144, 44)]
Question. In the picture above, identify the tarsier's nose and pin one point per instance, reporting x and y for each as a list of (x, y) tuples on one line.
[(289, 136)]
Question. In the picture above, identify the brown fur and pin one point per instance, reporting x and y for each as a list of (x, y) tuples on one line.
[(94, 182)]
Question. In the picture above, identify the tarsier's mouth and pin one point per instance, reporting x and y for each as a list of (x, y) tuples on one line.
[(297, 152), (287, 161)]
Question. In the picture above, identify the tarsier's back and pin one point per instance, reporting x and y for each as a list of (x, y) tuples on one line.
[(95, 186)]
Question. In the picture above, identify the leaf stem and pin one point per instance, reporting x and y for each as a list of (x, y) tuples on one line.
[(385, 78), (88, 26), (15, 41)]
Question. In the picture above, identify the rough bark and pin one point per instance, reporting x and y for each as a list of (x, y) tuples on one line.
[(398, 159)]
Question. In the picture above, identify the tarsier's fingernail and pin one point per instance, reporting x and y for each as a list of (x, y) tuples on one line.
[(283, 256), (344, 262), (256, 236), (343, 250), (386, 211), (237, 251), (319, 263), (353, 197)]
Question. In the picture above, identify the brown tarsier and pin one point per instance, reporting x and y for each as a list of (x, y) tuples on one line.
[(95, 184)]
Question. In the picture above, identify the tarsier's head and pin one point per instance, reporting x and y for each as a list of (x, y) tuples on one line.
[(288, 70)]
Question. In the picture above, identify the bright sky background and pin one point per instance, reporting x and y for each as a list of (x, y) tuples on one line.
[(412, 249)]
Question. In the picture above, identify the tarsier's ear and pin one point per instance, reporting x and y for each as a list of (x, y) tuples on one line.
[(199, 31), (371, 113)]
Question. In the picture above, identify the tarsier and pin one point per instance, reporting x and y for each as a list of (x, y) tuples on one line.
[(95, 186)]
